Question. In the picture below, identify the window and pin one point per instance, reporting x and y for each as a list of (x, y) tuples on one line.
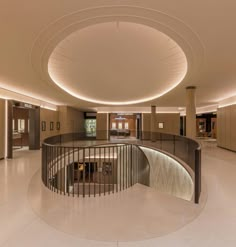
[(113, 125), (120, 126), (126, 125)]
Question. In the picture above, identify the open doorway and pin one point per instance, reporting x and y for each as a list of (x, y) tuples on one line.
[(23, 127), (206, 125), (125, 125), (20, 128)]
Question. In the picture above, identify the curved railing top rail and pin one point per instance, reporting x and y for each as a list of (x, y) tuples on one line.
[(144, 135)]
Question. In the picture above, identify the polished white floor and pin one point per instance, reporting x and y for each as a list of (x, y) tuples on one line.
[(26, 219)]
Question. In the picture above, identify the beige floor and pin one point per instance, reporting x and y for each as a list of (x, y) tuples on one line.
[(27, 219)]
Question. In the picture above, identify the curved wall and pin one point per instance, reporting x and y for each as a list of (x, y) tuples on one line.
[(168, 176)]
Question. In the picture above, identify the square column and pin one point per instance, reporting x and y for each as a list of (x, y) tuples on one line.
[(191, 112), (153, 123)]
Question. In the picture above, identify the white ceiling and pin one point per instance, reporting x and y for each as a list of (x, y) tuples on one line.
[(86, 35), (117, 63)]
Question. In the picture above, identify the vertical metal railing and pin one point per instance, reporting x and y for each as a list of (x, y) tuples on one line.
[(197, 173), (93, 170), (97, 170)]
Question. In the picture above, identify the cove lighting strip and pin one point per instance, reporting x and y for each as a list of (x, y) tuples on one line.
[(11, 95)]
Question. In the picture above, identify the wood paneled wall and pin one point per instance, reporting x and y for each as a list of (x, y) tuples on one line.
[(71, 120), (2, 128), (102, 126), (48, 116), (171, 123), (226, 127)]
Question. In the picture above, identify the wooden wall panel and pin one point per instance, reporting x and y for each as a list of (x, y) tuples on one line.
[(146, 125), (9, 129), (34, 133), (219, 126), (48, 116), (62, 117), (233, 128), (75, 120), (102, 126), (2, 128), (222, 127), (71, 120), (171, 122), (228, 127), (226, 131)]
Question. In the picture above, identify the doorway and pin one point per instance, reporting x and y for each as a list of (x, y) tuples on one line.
[(125, 126), (23, 127)]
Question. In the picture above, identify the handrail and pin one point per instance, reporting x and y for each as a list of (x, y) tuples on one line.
[(182, 147), (92, 170)]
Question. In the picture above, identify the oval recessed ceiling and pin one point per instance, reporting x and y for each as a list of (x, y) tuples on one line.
[(117, 63)]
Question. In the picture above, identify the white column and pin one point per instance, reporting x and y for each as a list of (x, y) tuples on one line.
[(153, 123), (191, 112)]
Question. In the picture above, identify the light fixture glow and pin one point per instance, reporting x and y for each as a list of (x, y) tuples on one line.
[(77, 80), (10, 94), (228, 101), (79, 96)]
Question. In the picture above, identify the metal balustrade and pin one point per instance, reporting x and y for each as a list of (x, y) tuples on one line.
[(80, 171), (71, 169)]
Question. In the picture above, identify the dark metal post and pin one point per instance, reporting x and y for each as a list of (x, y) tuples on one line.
[(174, 144), (197, 175), (83, 172)]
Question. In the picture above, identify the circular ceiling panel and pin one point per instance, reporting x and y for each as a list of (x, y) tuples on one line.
[(117, 63)]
